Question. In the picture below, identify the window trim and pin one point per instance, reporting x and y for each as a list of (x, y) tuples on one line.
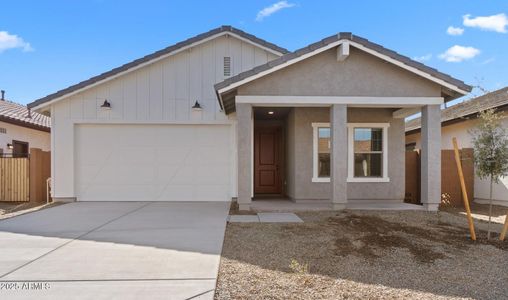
[(315, 177), (350, 163), (351, 154)]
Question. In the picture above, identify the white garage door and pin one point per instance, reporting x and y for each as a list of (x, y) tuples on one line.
[(153, 162)]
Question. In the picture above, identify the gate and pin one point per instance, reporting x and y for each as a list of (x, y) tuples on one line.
[(14, 178)]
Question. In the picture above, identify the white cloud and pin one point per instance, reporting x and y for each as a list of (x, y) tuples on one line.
[(12, 41), (459, 53), (496, 23), (455, 30), (488, 61), (423, 57), (269, 10)]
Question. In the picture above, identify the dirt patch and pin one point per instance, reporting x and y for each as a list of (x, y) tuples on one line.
[(233, 210), (362, 255), (371, 236)]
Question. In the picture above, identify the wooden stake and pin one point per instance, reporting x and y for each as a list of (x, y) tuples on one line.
[(464, 191), (505, 229)]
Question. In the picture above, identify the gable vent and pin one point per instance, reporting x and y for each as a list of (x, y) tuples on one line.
[(227, 66), (3, 130)]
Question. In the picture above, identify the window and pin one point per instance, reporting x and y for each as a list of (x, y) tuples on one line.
[(322, 145), (19, 149), (367, 152)]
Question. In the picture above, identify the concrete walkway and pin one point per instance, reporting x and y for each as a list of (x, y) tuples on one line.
[(266, 218), (285, 205), (106, 250)]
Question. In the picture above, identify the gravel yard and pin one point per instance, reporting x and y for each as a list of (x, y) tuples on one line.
[(364, 255)]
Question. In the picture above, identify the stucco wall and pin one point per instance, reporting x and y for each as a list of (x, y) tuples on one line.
[(302, 187), (159, 93), (290, 154), (35, 138), (361, 74), (461, 132)]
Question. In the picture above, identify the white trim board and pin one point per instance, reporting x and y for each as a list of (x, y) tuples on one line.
[(356, 45), (351, 154), (155, 122), (147, 63), (330, 100), (278, 67), (315, 127)]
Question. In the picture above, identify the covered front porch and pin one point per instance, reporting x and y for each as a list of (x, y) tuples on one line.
[(343, 137), (332, 156)]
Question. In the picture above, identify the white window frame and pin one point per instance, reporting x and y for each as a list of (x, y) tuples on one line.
[(351, 127), (315, 127), (351, 154)]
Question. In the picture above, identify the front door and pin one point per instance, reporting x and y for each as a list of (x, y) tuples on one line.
[(268, 162)]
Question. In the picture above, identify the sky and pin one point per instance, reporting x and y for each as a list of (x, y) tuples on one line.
[(48, 45)]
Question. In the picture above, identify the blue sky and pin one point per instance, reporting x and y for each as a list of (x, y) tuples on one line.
[(48, 45)]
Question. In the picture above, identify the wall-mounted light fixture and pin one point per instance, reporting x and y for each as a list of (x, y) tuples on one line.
[(197, 106), (10, 146), (270, 112), (106, 105)]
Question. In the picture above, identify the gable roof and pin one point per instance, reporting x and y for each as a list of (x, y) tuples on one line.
[(17, 114), (159, 55), (466, 110), (458, 87)]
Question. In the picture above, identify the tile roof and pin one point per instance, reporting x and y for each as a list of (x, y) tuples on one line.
[(18, 114), (155, 55), (467, 109), (334, 38)]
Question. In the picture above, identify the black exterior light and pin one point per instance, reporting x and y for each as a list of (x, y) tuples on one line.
[(197, 106), (106, 105), (10, 146)]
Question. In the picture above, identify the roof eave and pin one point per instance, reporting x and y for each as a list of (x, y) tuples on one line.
[(152, 58), (443, 79), (21, 123)]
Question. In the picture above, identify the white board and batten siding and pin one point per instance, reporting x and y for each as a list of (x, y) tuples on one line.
[(159, 94)]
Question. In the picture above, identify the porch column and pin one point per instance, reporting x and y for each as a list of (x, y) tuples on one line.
[(431, 157), (338, 156), (245, 155)]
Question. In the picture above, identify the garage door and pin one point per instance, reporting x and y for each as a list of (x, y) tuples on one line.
[(153, 162)]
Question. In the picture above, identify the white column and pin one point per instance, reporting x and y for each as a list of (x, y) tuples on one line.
[(431, 157), (338, 156), (245, 155)]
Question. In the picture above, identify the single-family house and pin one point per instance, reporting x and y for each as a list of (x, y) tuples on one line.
[(227, 115), (22, 129), (460, 121)]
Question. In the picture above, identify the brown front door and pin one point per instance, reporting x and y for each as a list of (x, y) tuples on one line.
[(268, 168)]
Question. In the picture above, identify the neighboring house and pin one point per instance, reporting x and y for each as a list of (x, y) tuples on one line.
[(227, 115), (21, 129), (458, 121)]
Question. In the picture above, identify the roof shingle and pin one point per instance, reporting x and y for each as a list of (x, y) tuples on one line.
[(19, 114), (467, 109), (334, 38)]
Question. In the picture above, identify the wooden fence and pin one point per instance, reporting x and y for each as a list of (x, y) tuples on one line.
[(14, 179), (23, 179), (451, 193), (40, 171)]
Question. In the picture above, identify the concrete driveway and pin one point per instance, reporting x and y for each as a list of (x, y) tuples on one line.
[(113, 250)]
